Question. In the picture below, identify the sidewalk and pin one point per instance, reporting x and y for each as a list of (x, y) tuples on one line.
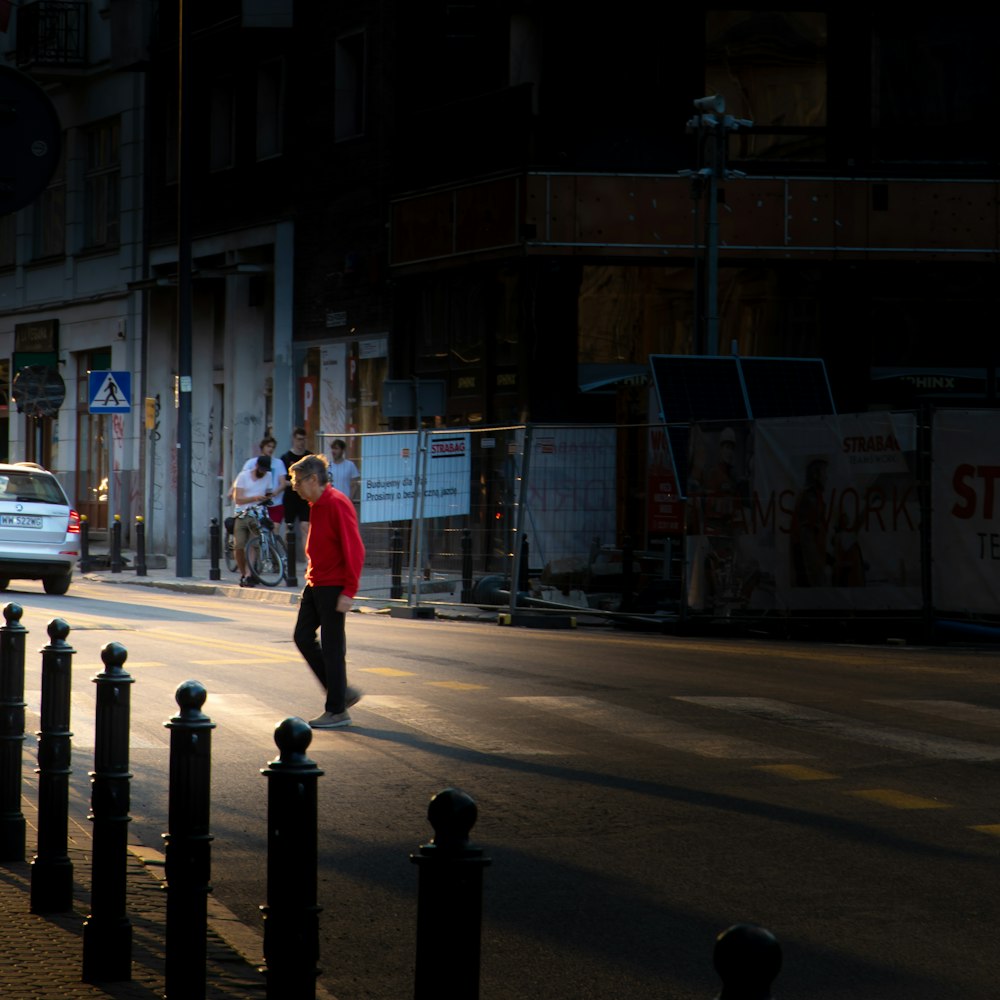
[(43, 954), (373, 582)]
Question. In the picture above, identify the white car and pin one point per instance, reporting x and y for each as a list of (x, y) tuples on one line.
[(39, 531)]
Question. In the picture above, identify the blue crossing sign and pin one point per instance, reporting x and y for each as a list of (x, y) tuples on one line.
[(110, 392)]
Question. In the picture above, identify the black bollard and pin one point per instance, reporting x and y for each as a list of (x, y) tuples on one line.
[(523, 583), (449, 901), (84, 544), (747, 959), (140, 545), (51, 868), (291, 568), (214, 550), (12, 822), (188, 845), (107, 931), (396, 554), (466, 566), (291, 916), (116, 544)]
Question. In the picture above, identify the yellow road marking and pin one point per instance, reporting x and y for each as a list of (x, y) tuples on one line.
[(993, 829), (457, 685), (386, 671), (898, 800), (797, 772)]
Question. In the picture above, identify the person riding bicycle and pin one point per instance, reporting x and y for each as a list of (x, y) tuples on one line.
[(250, 487)]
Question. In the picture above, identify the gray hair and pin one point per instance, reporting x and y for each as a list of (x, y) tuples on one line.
[(311, 465)]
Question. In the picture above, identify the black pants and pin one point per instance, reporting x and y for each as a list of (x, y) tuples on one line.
[(328, 657)]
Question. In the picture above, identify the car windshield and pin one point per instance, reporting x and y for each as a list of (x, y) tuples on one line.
[(30, 487)]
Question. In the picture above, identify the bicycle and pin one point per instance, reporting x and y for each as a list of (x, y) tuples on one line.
[(265, 554)]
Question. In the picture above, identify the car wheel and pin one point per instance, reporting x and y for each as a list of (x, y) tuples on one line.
[(57, 584), (4, 582)]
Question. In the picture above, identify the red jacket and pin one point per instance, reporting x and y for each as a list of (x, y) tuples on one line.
[(334, 548)]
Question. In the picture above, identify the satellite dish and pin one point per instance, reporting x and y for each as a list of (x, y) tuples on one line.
[(30, 140)]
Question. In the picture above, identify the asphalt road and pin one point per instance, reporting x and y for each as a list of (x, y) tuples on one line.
[(636, 793)]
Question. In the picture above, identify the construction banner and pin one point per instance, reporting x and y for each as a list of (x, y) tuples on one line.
[(807, 513), (965, 549)]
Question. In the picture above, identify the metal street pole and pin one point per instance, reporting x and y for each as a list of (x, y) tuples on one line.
[(184, 508), (713, 120)]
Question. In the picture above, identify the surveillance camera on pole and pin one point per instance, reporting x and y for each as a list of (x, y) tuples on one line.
[(713, 127)]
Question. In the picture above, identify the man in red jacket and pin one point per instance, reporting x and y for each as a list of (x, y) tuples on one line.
[(335, 555)]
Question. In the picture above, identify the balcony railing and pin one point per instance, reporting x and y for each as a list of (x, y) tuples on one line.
[(52, 33)]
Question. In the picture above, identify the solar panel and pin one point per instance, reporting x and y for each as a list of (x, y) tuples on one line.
[(787, 387), (696, 387)]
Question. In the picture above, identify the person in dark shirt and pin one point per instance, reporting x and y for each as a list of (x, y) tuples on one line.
[(296, 509)]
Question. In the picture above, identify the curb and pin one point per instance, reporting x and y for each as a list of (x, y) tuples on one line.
[(275, 596)]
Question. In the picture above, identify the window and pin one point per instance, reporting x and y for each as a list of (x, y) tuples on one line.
[(49, 230), (770, 66), (222, 120), (102, 184), (270, 101), (349, 95)]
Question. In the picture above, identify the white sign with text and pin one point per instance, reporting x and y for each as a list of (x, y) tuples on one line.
[(390, 467)]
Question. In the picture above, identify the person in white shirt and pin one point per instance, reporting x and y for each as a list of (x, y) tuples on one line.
[(279, 478), (251, 486), (344, 475)]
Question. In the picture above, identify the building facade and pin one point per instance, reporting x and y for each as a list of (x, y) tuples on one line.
[(68, 258), (506, 197)]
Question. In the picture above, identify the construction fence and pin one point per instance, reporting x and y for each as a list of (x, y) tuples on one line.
[(871, 514)]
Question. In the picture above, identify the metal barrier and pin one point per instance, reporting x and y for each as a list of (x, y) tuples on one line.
[(520, 516)]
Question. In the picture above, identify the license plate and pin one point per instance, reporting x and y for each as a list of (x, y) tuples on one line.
[(20, 521)]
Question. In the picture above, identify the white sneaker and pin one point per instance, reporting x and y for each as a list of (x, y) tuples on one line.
[(328, 720)]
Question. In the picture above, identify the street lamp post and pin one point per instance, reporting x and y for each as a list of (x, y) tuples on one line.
[(713, 126), (184, 505)]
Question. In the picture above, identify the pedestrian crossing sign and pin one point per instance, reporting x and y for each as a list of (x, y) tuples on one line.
[(110, 392)]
